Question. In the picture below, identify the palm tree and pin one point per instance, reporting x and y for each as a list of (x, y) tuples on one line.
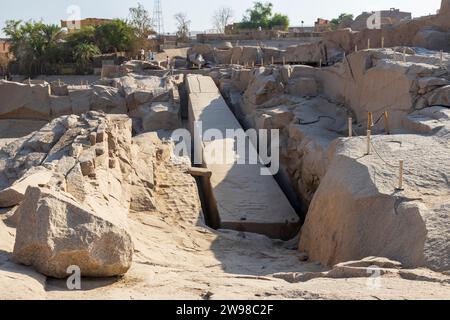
[(84, 53)]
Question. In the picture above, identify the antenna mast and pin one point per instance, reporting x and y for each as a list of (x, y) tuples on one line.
[(158, 20)]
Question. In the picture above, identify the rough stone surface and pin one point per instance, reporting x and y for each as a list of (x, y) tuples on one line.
[(24, 101), (54, 233), (161, 116), (83, 173), (14, 195), (358, 212), (303, 87), (108, 100), (440, 97)]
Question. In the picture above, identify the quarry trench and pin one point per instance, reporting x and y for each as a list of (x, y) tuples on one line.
[(223, 207), (208, 201)]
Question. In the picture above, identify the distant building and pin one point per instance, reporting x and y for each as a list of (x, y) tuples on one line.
[(322, 25), (388, 18), (5, 56), (75, 25), (5, 48)]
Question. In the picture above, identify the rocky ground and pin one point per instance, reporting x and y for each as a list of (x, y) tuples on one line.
[(176, 257)]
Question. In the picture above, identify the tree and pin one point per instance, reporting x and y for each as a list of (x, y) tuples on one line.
[(344, 17), (279, 21), (86, 35), (34, 45), (84, 53), (39, 48), (222, 18), (260, 16), (141, 21), (183, 25), (115, 36)]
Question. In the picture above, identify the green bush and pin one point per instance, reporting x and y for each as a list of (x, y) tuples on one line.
[(261, 16)]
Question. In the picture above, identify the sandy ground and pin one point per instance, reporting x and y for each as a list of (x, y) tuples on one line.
[(175, 260)]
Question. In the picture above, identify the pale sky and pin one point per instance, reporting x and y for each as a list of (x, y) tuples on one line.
[(201, 12)]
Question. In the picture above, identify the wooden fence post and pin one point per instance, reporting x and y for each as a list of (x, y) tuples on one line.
[(369, 121), (400, 176), (386, 122), (350, 127)]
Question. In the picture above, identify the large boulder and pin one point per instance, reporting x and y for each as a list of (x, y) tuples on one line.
[(272, 54), (302, 87), (25, 101), (251, 55), (143, 181), (440, 97), (372, 81), (236, 54), (80, 100), (139, 90), (161, 116), (306, 53), (222, 56), (241, 78), (25, 153), (60, 105), (206, 50), (359, 212), (82, 174), (432, 39), (54, 233), (59, 88), (261, 89), (274, 118), (445, 8), (432, 120), (108, 99), (14, 194)]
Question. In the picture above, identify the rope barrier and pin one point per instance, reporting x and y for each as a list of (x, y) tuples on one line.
[(400, 169), (377, 153)]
